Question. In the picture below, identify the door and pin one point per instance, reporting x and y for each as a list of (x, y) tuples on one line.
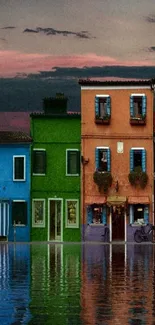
[(4, 219), (55, 219), (118, 226)]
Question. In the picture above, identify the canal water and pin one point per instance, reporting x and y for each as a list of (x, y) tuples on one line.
[(81, 284)]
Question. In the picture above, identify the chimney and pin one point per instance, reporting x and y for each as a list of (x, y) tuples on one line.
[(55, 105)]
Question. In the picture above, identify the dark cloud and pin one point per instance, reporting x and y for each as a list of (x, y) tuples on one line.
[(52, 31), (8, 27), (3, 39), (25, 93), (151, 49), (150, 19)]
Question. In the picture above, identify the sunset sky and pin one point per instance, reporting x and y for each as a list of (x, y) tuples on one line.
[(58, 36)]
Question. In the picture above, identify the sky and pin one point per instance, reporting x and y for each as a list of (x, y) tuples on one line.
[(47, 45)]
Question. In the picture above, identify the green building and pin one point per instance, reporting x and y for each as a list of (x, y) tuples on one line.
[(55, 181)]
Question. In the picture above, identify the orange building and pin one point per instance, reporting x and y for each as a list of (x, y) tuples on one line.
[(117, 188)]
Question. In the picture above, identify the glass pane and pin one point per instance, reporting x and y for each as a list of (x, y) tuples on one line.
[(39, 162), (71, 212), (73, 162), (38, 212), (19, 167)]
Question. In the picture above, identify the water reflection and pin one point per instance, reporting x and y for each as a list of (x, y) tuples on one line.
[(87, 284)]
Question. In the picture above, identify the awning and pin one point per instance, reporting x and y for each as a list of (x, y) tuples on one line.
[(95, 199), (138, 200), (116, 200)]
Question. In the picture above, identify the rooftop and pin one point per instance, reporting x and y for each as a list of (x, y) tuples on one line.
[(122, 82), (14, 137), (69, 114)]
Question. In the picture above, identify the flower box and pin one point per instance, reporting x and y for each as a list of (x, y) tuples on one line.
[(137, 121), (99, 120)]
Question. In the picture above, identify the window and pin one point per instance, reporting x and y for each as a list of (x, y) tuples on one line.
[(102, 106), (138, 158), (102, 159), (137, 106), (19, 168), (138, 210), (39, 161), (72, 214), (73, 162), (19, 213), (38, 213)]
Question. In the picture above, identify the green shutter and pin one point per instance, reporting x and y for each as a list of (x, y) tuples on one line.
[(144, 105), (146, 214), (96, 158), (143, 160), (108, 106), (131, 106), (96, 106), (131, 159)]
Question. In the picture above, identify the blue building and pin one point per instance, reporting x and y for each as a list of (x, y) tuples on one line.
[(14, 186)]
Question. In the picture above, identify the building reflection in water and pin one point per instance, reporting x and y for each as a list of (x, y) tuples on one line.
[(118, 284), (55, 284), (14, 284)]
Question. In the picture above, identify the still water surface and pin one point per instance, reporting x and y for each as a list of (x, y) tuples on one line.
[(67, 284)]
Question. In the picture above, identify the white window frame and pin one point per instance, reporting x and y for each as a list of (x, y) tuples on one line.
[(19, 180), (39, 149), (40, 225), (66, 214), (71, 149)]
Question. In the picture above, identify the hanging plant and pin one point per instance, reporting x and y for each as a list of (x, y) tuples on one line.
[(103, 180), (138, 177)]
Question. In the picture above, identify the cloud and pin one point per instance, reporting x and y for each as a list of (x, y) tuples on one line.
[(151, 49), (8, 27), (52, 31), (150, 19), (13, 63)]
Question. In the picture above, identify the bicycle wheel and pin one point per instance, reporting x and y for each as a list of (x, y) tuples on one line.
[(138, 236)]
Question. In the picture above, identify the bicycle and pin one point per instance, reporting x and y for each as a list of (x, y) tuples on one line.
[(142, 235)]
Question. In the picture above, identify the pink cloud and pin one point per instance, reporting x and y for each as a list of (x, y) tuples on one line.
[(13, 62)]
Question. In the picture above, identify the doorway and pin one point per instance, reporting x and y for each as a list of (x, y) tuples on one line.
[(118, 223), (55, 219)]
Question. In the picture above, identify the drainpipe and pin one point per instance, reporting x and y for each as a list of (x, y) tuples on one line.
[(14, 231)]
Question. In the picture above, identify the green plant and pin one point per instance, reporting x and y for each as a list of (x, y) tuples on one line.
[(104, 117), (103, 180), (138, 177)]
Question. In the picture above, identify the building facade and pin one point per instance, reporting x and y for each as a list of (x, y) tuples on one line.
[(117, 188), (15, 186), (55, 187)]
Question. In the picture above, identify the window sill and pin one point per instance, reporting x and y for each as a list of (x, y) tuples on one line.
[(19, 180), (73, 175), (19, 225), (97, 224), (102, 121), (38, 174), (137, 121)]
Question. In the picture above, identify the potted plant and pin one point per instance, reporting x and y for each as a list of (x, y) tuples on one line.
[(105, 119), (138, 177), (103, 180)]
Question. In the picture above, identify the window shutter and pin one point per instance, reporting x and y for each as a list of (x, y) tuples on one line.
[(144, 160), (146, 214), (108, 160), (97, 158), (131, 106), (96, 106), (89, 215), (131, 214), (104, 215), (131, 160), (144, 105), (108, 106)]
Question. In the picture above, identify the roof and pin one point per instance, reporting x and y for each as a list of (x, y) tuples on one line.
[(124, 82), (14, 137), (15, 121), (52, 115)]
